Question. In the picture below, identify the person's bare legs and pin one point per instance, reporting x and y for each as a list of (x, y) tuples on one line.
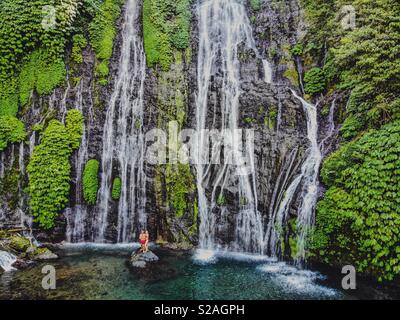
[(147, 241)]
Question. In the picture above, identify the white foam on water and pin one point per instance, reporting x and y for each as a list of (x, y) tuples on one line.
[(297, 280), (6, 261), (204, 256), (242, 256), (89, 246)]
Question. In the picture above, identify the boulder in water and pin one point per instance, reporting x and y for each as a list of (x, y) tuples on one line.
[(140, 259), (44, 254)]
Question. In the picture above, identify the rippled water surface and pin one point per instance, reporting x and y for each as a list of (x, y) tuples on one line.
[(103, 273)]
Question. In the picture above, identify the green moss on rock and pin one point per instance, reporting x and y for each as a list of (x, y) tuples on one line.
[(166, 28), (19, 244), (102, 34), (358, 220), (116, 188), (49, 169), (12, 130), (91, 181)]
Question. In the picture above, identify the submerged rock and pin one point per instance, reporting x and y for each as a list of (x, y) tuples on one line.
[(44, 254), (140, 259)]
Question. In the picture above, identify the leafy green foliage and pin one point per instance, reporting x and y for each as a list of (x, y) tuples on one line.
[(11, 131), (9, 186), (358, 221), (314, 80), (297, 49), (49, 170), (221, 200), (8, 104), (40, 72), (21, 33), (79, 43), (179, 183), (166, 26), (371, 61), (116, 188), (102, 34), (365, 60), (351, 127), (74, 126), (255, 4), (91, 181)]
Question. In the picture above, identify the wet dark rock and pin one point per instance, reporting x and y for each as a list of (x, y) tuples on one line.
[(278, 121), (21, 264), (140, 259)]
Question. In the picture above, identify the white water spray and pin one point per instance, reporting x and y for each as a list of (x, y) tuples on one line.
[(267, 71), (123, 139), (309, 190), (77, 216), (223, 28)]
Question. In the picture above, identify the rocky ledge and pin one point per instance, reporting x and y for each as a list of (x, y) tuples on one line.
[(22, 250), (141, 259)]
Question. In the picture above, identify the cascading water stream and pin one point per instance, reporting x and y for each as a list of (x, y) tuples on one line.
[(123, 138), (325, 143), (77, 216), (2, 164), (26, 221), (223, 28), (6, 261), (309, 190), (267, 71), (310, 170)]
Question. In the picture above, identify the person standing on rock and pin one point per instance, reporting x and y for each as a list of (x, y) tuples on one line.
[(143, 241)]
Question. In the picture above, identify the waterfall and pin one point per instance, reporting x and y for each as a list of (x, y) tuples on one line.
[(267, 71), (123, 138), (309, 190), (32, 141), (279, 117), (310, 171), (26, 221), (63, 105), (6, 261), (223, 28), (77, 216), (2, 164), (324, 145), (21, 158), (2, 171), (278, 207)]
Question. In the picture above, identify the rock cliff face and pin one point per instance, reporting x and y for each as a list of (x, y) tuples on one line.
[(267, 107)]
